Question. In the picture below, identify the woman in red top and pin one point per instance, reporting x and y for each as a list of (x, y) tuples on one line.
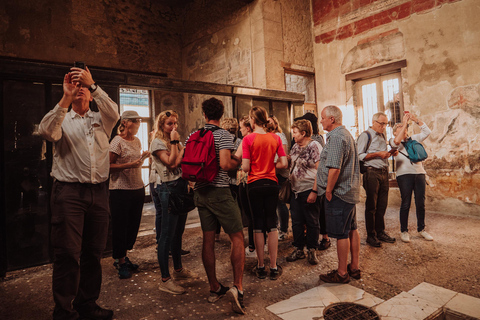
[(258, 153)]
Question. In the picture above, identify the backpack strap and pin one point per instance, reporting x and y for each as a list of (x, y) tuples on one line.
[(369, 140)]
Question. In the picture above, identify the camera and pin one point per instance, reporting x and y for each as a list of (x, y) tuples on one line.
[(79, 64)]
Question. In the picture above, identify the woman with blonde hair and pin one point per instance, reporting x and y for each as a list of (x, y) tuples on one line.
[(167, 152), (258, 160), (127, 192), (305, 206)]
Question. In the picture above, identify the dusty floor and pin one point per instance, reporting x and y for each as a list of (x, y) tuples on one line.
[(451, 261)]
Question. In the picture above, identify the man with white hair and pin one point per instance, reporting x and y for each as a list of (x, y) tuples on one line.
[(338, 178), (372, 150)]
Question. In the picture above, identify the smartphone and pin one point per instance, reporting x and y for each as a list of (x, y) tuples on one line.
[(79, 64), (145, 156)]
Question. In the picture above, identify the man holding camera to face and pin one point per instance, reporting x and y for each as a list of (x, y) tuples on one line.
[(79, 202)]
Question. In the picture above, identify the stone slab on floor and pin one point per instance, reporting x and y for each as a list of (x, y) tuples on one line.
[(311, 303)]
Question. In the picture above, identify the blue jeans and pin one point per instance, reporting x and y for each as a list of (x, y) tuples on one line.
[(305, 214), (158, 211), (408, 183), (282, 210), (172, 228)]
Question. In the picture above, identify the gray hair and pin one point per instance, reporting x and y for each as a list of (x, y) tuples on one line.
[(395, 127), (378, 115), (335, 112)]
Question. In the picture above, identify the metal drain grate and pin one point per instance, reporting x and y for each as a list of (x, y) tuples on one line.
[(349, 311)]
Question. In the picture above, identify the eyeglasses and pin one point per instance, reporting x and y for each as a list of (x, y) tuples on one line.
[(135, 120), (383, 124), (168, 113)]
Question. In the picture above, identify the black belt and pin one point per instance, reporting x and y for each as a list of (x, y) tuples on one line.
[(378, 169)]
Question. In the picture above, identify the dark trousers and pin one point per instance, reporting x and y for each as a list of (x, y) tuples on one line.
[(408, 183), (245, 209), (375, 183), (263, 198), (80, 217), (282, 210), (322, 222), (158, 210), (305, 215), (172, 227), (126, 207)]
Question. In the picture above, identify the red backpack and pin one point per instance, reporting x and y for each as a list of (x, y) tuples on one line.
[(200, 162)]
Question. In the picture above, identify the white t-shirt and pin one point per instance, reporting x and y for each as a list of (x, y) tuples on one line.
[(403, 165), (162, 173), (127, 151)]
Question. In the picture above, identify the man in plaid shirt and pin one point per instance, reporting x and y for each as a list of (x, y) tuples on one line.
[(338, 178)]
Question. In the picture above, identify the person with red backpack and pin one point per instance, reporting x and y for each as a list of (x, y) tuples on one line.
[(214, 200)]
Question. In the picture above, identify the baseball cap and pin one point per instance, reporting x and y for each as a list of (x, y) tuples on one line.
[(130, 114)]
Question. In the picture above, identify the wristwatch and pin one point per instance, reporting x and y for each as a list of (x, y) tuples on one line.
[(92, 87)]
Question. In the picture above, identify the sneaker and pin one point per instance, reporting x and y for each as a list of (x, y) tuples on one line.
[(334, 277), (260, 272), (275, 273), (312, 256), (124, 271), (171, 287), (250, 254), (215, 296), (182, 252), (296, 255), (282, 236), (324, 244), (425, 235), (94, 311), (405, 236), (130, 265), (373, 241), (354, 273), (236, 298), (184, 274), (385, 237)]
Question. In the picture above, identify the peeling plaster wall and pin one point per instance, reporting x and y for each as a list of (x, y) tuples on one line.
[(441, 83), (129, 35), (246, 45)]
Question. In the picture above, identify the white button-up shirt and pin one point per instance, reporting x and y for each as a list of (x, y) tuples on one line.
[(81, 143)]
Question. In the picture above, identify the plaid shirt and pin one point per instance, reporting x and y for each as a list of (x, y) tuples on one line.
[(340, 152)]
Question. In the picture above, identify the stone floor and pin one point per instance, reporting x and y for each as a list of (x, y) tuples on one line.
[(440, 275), (425, 301)]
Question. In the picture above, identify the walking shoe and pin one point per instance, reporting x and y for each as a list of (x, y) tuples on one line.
[(296, 255), (250, 254), (182, 252), (385, 237), (324, 244), (373, 241), (171, 287), (95, 312), (184, 274), (312, 256), (354, 273), (425, 234), (275, 273), (405, 236), (216, 295), (236, 298), (282, 236), (124, 271), (260, 272), (334, 277), (130, 265)]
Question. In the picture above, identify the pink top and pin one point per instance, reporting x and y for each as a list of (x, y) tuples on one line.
[(261, 149)]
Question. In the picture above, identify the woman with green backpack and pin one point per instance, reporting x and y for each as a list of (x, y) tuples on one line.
[(410, 175)]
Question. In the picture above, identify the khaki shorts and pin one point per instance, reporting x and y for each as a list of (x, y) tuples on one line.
[(217, 206)]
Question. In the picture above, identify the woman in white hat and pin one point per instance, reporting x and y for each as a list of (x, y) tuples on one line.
[(127, 192)]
